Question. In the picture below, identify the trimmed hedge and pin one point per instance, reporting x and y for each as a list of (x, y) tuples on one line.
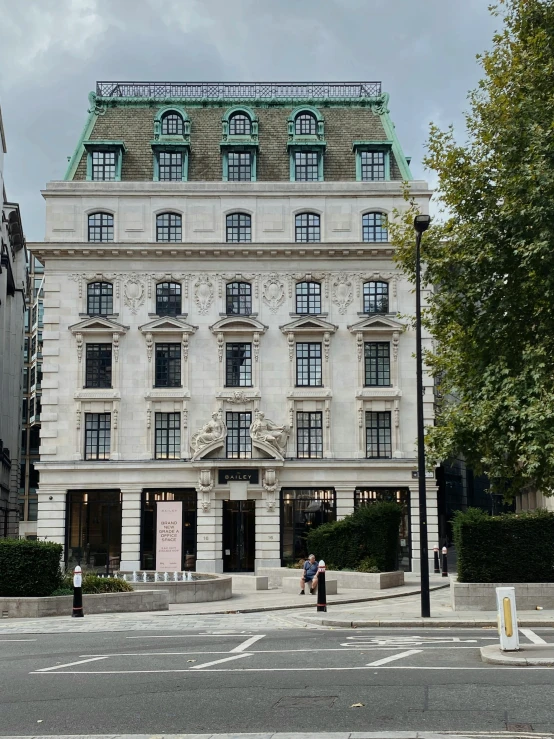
[(507, 548), (29, 568), (370, 533), (94, 584)]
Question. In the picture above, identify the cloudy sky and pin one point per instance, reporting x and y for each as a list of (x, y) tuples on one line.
[(53, 51)]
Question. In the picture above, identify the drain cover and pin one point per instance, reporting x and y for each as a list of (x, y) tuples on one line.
[(519, 727), (293, 701)]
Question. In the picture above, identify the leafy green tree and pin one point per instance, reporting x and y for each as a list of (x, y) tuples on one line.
[(489, 263)]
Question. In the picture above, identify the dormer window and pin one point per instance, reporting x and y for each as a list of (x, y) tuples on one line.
[(306, 144), (305, 124), (373, 160), (240, 125), (239, 145), (172, 124), (104, 160), (171, 145)]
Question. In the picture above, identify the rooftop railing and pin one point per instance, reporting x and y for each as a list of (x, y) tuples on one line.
[(238, 90)]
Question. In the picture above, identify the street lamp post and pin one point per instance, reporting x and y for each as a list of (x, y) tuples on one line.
[(421, 224)]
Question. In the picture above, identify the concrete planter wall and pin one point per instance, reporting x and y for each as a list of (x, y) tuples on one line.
[(195, 591), (345, 580), (146, 600), (471, 596)]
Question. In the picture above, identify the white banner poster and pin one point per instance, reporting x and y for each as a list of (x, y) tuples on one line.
[(169, 536)]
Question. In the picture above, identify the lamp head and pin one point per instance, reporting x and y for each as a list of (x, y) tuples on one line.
[(421, 223)]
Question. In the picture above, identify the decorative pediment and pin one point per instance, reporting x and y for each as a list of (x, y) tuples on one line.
[(377, 324), (309, 325), (98, 325), (238, 325), (167, 325)]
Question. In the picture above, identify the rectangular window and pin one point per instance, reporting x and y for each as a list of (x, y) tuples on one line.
[(168, 436), (98, 365), (34, 315), (168, 365), (103, 165), (170, 166), (97, 435), (306, 167), (373, 165), (33, 376), (378, 434), (377, 363), (239, 443), (308, 364), (239, 166), (238, 365), (309, 435)]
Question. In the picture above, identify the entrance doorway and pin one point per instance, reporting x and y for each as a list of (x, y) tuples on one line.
[(239, 535)]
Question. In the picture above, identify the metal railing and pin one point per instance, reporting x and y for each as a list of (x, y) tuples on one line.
[(238, 90)]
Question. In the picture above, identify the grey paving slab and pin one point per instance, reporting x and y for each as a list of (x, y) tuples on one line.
[(540, 655)]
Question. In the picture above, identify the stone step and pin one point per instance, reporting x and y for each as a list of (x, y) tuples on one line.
[(292, 584)]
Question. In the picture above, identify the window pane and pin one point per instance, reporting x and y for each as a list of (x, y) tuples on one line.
[(97, 435), (239, 125), (373, 165), (308, 364), (377, 363), (239, 298), (376, 297), (309, 435), (169, 228), (168, 365), (239, 167), (99, 298), (306, 166), (308, 297), (238, 365), (305, 125), (172, 125), (100, 227), (168, 436), (307, 228), (98, 365), (170, 166), (374, 227), (239, 229), (103, 165), (168, 299), (378, 434), (239, 443)]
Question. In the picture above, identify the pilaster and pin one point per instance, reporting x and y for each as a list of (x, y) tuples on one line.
[(130, 527)]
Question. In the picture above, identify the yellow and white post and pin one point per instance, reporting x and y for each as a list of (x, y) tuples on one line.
[(507, 619)]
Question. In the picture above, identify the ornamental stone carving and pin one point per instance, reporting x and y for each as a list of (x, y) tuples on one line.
[(267, 432), (274, 292), (270, 486), (343, 291), (239, 396), (211, 434), (134, 292), (205, 487), (203, 294)]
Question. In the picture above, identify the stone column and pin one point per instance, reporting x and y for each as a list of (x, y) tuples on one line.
[(51, 513), (432, 523), (345, 500), (130, 528), (209, 526)]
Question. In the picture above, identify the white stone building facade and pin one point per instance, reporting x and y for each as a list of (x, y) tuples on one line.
[(241, 346)]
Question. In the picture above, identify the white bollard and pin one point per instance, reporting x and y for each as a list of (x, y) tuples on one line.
[(507, 619)]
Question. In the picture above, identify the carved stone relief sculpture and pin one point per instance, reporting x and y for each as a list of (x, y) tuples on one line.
[(270, 487), (343, 291), (134, 292), (205, 487), (203, 294), (273, 292), (269, 433), (211, 435)]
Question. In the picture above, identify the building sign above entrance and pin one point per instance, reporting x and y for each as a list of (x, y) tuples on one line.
[(234, 475)]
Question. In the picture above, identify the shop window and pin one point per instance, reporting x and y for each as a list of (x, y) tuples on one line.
[(302, 510), (369, 495), (94, 530), (150, 499)]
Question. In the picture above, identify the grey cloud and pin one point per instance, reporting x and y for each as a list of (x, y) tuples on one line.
[(53, 51)]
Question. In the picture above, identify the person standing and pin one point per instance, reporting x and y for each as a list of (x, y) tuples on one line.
[(309, 575)]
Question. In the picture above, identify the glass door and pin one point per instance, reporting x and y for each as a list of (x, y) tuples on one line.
[(239, 535)]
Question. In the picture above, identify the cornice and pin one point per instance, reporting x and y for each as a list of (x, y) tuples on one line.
[(216, 251)]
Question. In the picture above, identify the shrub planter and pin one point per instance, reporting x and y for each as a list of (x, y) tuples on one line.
[(196, 591), (345, 580), (146, 600), (481, 596)]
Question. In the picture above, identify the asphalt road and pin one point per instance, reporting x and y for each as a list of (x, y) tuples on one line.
[(291, 680)]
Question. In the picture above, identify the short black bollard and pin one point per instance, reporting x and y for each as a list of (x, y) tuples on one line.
[(321, 592), (437, 563), (77, 593), (444, 562)]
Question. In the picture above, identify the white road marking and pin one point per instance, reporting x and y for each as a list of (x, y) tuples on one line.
[(393, 657), (8, 640), (533, 638), (71, 664), (219, 661), (178, 636), (245, 644)]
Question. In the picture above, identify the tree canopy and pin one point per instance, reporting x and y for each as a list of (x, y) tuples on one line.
[(489, 262)]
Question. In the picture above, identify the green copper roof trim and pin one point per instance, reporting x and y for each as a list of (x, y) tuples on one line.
[(383, 143), (383, 113), (85, 134), (105, 144)]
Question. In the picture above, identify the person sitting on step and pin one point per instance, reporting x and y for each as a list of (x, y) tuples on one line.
[(309, 574)]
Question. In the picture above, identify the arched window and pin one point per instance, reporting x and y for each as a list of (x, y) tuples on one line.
[(307, 228), (374, 227), (168, 299), (305, 124), (376, 297), (239, 228), (99, 298), (239, 299), (308, 297), (240, 125), (172, 125), (169, 228), (100, 227)]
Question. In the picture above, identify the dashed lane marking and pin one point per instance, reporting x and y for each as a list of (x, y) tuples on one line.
[(533, 638), (394, 657), (219, 661)]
